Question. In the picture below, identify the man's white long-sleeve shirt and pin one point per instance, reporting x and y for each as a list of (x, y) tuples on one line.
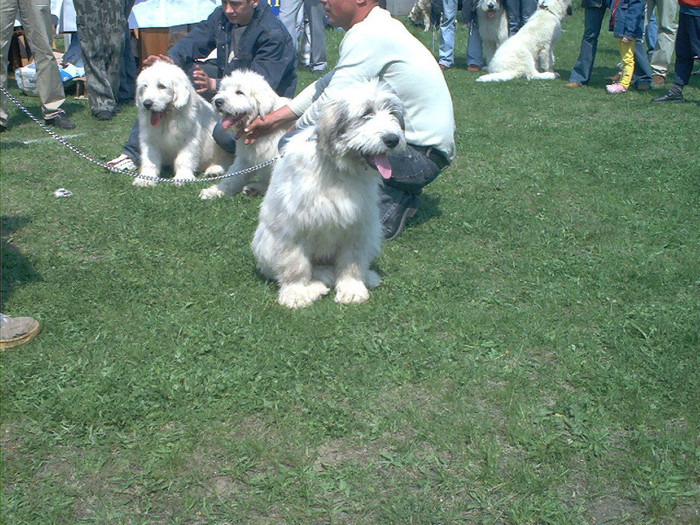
[(380, 46)]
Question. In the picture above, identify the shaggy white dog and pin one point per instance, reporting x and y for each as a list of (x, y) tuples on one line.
[(493, 26), (244, 95), (420, 14), (175, 126), (528, 53), (319, 222)]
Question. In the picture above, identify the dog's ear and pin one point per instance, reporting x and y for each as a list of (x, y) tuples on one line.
[(181, 94), (333, 122), (264, 106)]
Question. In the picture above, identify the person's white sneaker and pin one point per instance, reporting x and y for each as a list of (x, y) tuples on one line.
[(123, 163)]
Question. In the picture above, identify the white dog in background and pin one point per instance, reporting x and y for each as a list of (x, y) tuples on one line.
[(319, 221), (175, 126), (244, 95), (528, 53), (493, 26)]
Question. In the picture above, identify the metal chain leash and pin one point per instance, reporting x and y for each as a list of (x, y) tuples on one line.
[(130, 173)]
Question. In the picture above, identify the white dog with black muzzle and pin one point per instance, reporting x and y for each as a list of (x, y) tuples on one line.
[(319, 221)]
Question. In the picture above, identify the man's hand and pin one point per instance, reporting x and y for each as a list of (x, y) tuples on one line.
[(268, 124), (152, 59), (203, 83)]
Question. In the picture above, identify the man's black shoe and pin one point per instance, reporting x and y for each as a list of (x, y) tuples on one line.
[(395, 224), (103, 114), (60, 121), (670, 96)]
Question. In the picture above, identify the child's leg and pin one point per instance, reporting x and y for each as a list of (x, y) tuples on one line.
[(627, 54)]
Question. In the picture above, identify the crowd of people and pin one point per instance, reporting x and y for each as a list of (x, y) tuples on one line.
[(246, 35), (647, 32)]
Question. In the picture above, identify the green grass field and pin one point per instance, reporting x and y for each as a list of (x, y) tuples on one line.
[(531, 356)]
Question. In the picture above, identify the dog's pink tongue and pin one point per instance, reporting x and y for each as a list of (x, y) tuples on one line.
[(490, 14), (228, 121), (382, 164), (155, 117)]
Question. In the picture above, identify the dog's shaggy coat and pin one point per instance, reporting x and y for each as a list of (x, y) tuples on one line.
[(175, 126), (319, 221), (493, 26), (528, 53), (244, 95), (420, 14)]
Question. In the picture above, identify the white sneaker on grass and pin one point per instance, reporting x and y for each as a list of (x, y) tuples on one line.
[(123, 162)]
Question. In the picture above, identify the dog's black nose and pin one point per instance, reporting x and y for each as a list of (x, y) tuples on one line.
[(218, 103), (147, 103), (391, 140)]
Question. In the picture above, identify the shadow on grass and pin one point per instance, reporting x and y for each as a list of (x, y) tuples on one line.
[(16, 268), (429, 208)]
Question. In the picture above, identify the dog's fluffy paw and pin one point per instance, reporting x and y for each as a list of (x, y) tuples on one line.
[(351, 291), (183, 175), (144, 182), (298, 295), (211, 192), (214, 171)]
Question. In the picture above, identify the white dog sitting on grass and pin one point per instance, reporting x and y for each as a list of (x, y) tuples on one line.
[(175, 126), (243, 96), (319, 221), (528, 53)]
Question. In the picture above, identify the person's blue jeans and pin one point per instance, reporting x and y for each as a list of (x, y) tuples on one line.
[(518, 13), (447, 33), (687, 47), (651, 33), (592, 22), (583, 68), (475, 52)]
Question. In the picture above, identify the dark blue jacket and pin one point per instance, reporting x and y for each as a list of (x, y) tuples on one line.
[(627, 18), (265, 47)]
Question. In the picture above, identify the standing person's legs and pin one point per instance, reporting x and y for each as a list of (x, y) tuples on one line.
[(642, 68), (475, 51), (447, 33), (317, 23), (8, 13), (100, 41), (687, 48), (627, 55), (130, 70), (289, 10), (593, 20), (115, 38), (651, 28), (527, 8), (513, 10), (38, 28), (666, 13)]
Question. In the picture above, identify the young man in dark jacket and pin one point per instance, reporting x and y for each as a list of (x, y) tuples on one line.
[(246, 35)]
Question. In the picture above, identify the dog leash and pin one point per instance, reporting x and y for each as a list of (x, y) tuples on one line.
[(130, 173)]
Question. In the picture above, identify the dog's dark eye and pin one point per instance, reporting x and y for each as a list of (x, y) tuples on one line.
[(161, 85), (239, 92), (368, 114)]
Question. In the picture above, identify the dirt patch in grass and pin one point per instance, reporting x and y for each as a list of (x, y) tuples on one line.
[(613, 508)]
